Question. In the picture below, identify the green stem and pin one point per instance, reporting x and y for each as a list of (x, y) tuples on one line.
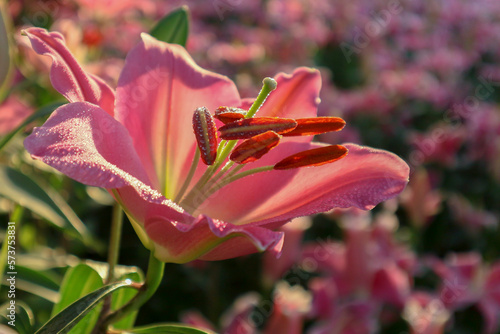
[(114, 241), (153, 280)]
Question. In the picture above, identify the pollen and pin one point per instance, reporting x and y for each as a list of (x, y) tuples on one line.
[(249, 127), (229, 114), (316, 126), (206, 135), (254, 148), (314, 157)]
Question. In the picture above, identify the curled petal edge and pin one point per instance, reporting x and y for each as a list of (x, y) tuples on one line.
[(66, 75), (205, 239)]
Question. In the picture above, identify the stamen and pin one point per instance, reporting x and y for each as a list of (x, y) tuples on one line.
[(201, 185), (316, 126), (206, 134), (254, 148), (249, 127), (313, 157), (229, 114)]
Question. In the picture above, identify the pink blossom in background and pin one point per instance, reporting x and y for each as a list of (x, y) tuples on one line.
[(110, 8), (13, 111), (467, 215), (291, 305), (440, 144), (238, 319), (420, 199), (359, 277), (274, 268), (467, 281)]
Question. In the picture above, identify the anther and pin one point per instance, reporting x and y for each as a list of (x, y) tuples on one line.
[(206, 134), (254, 148), (229, 114), (314, 157), (249, 127), (316, 126)]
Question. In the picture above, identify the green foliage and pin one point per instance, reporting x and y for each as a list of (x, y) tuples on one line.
[(68, 318), (173, 28), (166, 329), (22, 190)]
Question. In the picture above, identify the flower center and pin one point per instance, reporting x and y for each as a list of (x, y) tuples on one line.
[(259, 134)]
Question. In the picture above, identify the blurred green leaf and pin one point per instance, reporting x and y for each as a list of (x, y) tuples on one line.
[(42, 112), (122, 296), (167, 329), (23, 317), (78, 282), (5, 63), (23, 190), (46, 279), (64, 321), (173, 28)]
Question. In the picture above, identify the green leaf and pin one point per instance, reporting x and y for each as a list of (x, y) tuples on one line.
[(42, 112), (23, 317), (78, 282), (5, 61), (70, 316), (21, 189), (122, 296), (167, 329), (48, 280), (173, 28)]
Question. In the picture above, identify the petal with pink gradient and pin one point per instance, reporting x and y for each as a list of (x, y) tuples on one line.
[(66, 75), (159, 89), (84, 142), (296, 96), (363, 179), (208, 239)]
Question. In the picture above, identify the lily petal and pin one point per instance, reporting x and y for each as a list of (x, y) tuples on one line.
[(66, 75), (363, 179), (208, 239), (159, 89), (296, 96), (84, 142)]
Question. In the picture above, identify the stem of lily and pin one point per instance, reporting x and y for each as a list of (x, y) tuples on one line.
[(113, 252), (114, 241), (147, 290)]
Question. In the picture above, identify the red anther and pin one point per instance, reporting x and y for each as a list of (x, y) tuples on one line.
[(206, 134), (249, 127), (313, 157), (316, 125), (229, 114), (254, 148)]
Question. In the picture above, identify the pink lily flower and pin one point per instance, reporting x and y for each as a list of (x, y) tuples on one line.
[(140, 146), (468, 281)]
